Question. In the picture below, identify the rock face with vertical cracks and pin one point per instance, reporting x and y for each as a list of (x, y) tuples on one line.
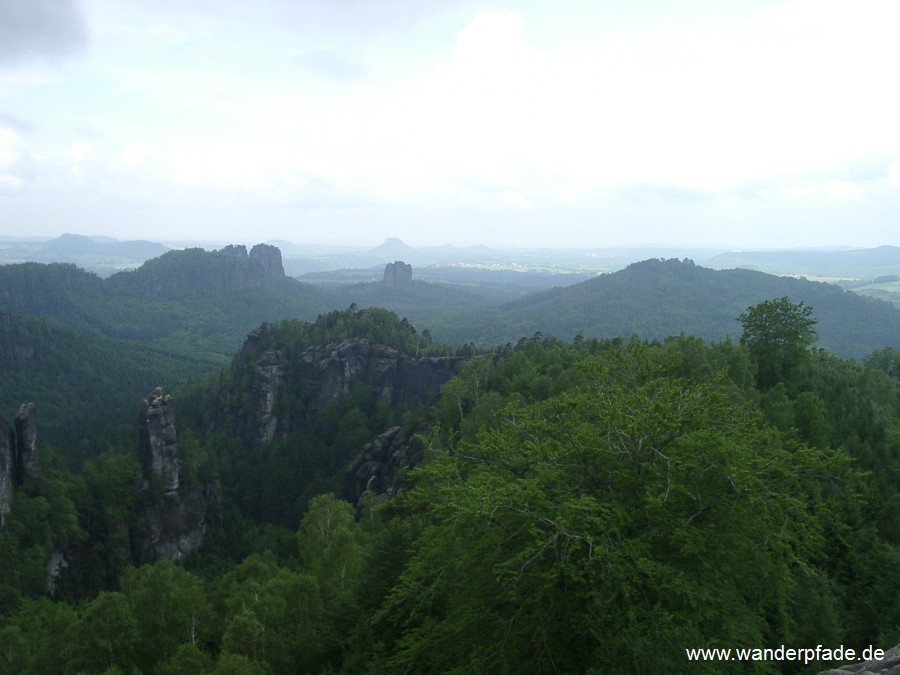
[(178, 512), (26, 444), (326, 374), (159, 457), (6, 471), (379, 469)]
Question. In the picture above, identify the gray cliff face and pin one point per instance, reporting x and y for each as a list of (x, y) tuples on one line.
[(269, 258), (178, 513), (379, 469), (325, 374), (267, 378), (6, 471), (231, 269), (330, 373), (26, 444), (398, 273), (889, 665), (158, 451)]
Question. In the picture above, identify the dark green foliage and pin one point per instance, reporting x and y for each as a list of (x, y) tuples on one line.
[(593, 506), (779, 335)]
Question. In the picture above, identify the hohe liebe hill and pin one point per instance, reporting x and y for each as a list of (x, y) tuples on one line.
[(209, 468)]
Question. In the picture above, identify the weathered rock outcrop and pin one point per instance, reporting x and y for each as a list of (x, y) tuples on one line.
[(327, 374), (18, 456), (194, 270), (178, 512), (158, 452), (266, 380), (26, 444), (269, 258), (889, 665), (6, 471), (332, 372), (398, 273), (378, 471)]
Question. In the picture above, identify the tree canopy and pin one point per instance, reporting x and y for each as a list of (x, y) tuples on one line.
[(779, 334)]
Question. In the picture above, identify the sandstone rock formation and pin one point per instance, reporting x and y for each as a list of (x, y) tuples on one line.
[(889, 665), (379, 469), (26, 444), (398, 273), (194, 270), (269, 258), (158, 452), (18, 455), (178, 513), (329, 373), (325, 374), (6, 471)]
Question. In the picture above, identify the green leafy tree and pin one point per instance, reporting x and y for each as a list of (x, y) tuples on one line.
[(171, 608), (606, 529), (779, 334)]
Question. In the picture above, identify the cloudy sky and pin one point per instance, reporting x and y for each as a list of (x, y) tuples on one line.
[(578, 123)]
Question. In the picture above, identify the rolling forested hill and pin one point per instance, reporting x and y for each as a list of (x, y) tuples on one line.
[(658, 298)]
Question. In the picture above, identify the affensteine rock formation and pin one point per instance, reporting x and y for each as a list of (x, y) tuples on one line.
[(325, 374), (178, 512)]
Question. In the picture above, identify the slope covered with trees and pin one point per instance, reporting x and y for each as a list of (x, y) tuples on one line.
[(658, 298), (585, 506)]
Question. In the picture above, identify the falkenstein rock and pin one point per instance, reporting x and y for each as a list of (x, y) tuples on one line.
[(398, 273), (178, 512)]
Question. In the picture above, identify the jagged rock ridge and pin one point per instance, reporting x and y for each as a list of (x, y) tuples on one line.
[(196, 270)]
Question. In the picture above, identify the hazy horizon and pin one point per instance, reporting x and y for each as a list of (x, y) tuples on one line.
[(747, 125)]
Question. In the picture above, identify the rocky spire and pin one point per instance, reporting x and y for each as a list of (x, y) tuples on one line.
[(159, 459)]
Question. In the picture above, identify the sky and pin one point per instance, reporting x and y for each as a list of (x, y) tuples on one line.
[(570, 124)]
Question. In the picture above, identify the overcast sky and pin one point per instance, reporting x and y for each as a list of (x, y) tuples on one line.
[(567, 124)]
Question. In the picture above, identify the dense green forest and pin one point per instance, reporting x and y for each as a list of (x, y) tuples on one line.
[(585, 505)]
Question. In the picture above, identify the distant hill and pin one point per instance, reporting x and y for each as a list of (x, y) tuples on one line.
[(657, 298), (100, 255)]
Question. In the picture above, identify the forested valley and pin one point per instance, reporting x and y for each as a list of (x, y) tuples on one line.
[(348, 494)]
